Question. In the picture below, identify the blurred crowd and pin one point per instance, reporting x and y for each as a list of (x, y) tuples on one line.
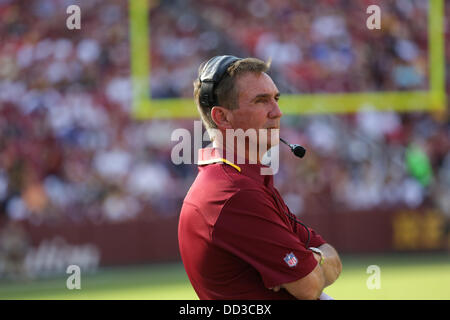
[(70, 148), (315, 46), (367, 161)]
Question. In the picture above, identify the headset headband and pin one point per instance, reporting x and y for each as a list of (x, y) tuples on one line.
[(210, 75)]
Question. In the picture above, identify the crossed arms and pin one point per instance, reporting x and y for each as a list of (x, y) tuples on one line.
[(311, 286)]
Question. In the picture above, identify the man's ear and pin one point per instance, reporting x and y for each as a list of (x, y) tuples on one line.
[(221, 116)]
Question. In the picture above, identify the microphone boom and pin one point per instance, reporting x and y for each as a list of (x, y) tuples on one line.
[(296, 149)]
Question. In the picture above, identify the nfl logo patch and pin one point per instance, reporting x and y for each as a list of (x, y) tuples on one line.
[(291, 260)]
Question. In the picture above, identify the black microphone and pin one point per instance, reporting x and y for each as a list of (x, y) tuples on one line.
[(297, 149)]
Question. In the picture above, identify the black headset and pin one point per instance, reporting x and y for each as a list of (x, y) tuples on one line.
[(210, 74)]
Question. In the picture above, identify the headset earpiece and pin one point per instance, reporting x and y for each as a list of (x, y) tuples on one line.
[(211, 74)]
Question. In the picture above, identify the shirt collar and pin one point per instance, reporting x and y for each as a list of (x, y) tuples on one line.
[(218, 155)]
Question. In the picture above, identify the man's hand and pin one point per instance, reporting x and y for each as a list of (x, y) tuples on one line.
[(316, 256), (276, 289), (311, 286), (332, 266)]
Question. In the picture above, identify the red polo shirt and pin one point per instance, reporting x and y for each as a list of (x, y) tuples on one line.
[(235, 241)]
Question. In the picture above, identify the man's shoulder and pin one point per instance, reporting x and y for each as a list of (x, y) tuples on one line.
[(216, 184), (219, 177)]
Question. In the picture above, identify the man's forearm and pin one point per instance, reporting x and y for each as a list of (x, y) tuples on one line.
[(332, 265)]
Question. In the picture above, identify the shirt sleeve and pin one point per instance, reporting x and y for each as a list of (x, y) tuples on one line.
[(316, 239), (250, 228)]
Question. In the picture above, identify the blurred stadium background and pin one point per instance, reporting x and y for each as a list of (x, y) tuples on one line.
[(85, 170)]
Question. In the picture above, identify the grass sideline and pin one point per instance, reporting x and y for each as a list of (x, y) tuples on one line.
[(403, 277)]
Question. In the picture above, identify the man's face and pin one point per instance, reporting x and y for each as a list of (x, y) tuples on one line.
[(257, 107)]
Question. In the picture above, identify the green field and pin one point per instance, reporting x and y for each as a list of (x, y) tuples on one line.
[(402, 277)]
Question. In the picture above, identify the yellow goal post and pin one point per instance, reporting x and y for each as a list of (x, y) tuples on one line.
[(434, 99)]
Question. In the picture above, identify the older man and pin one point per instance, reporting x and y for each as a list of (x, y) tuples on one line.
[(237, 237)]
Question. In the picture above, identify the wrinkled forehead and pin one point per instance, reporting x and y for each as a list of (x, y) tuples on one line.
[(252, 84)]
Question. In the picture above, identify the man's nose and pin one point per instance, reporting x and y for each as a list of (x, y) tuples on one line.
[(275, 112)]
